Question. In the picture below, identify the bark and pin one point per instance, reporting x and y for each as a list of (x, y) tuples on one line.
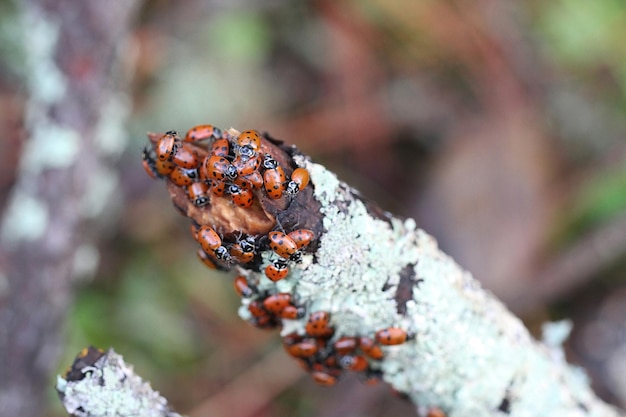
[(74, 114)]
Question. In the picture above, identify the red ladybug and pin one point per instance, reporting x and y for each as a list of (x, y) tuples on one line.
[(185, 157), (198, 193), (222, 254), (247, 166), (323, 378), (208, 238), (256, 309), (291, 338), (218, 188), (148, 162), (277, 270), (251, 139), (354, 363), (345, 345), (299, 180), (274, 178), (220, 147), (292, 312), (370, 348), (318, 325), (282, 245), (167, 145), (303, 349), (371, 377), (203, 132), (183, 177), (206, 259), (277, 302), (251, 181), (243, 250), (242, 287), (435, 412), (301, 237), (150, 169), (391, 336), (164, 168), (241, 197), (218, 168)]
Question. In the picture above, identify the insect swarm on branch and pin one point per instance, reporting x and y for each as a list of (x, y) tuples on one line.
[(353, 288)]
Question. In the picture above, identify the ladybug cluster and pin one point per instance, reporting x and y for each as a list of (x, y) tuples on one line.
[(210, 162), (228, 165), (316, 351)]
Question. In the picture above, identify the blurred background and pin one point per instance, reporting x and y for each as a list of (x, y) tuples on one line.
[(499, 126)]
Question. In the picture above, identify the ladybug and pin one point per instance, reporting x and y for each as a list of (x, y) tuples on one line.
[(193, 228), (299, 180), (391, 336), (323, 378), (206, 259), (245, 152), (218, 168), (148, 162), (150, 169), (247, 166), (282, 245), (198, 193), (371, 377), (277, 270), (202, 132), (292, 312), (370, 348), (301, 237), (291, 338), (251, 139), (303, 349), (251, 181), (242, 287), (185, 157), (256, 309), (353, 363), (345, 345), (167, 145), (208, 238), (277, 302), (220, 147), (164, 168), (435, 412), (274, 178), (218, 188), (222, 254), (243, 250), (183, 177), (318, 325), (241, 196)]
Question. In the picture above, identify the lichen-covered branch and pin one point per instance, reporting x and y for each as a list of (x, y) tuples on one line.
[(74, 113), (366, 281), (101, 384)]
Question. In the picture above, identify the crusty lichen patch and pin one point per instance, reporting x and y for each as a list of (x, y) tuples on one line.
[(469, 355), (110, 388)]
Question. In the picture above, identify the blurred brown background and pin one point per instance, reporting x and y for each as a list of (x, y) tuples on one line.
[(499, 126)]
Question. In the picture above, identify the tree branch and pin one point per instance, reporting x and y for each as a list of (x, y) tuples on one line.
[(100, 384), (370, 271), (74, 114)]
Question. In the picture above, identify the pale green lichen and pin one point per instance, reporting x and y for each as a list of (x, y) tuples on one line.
[(26, 218), (469, 353), (110, 388)]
